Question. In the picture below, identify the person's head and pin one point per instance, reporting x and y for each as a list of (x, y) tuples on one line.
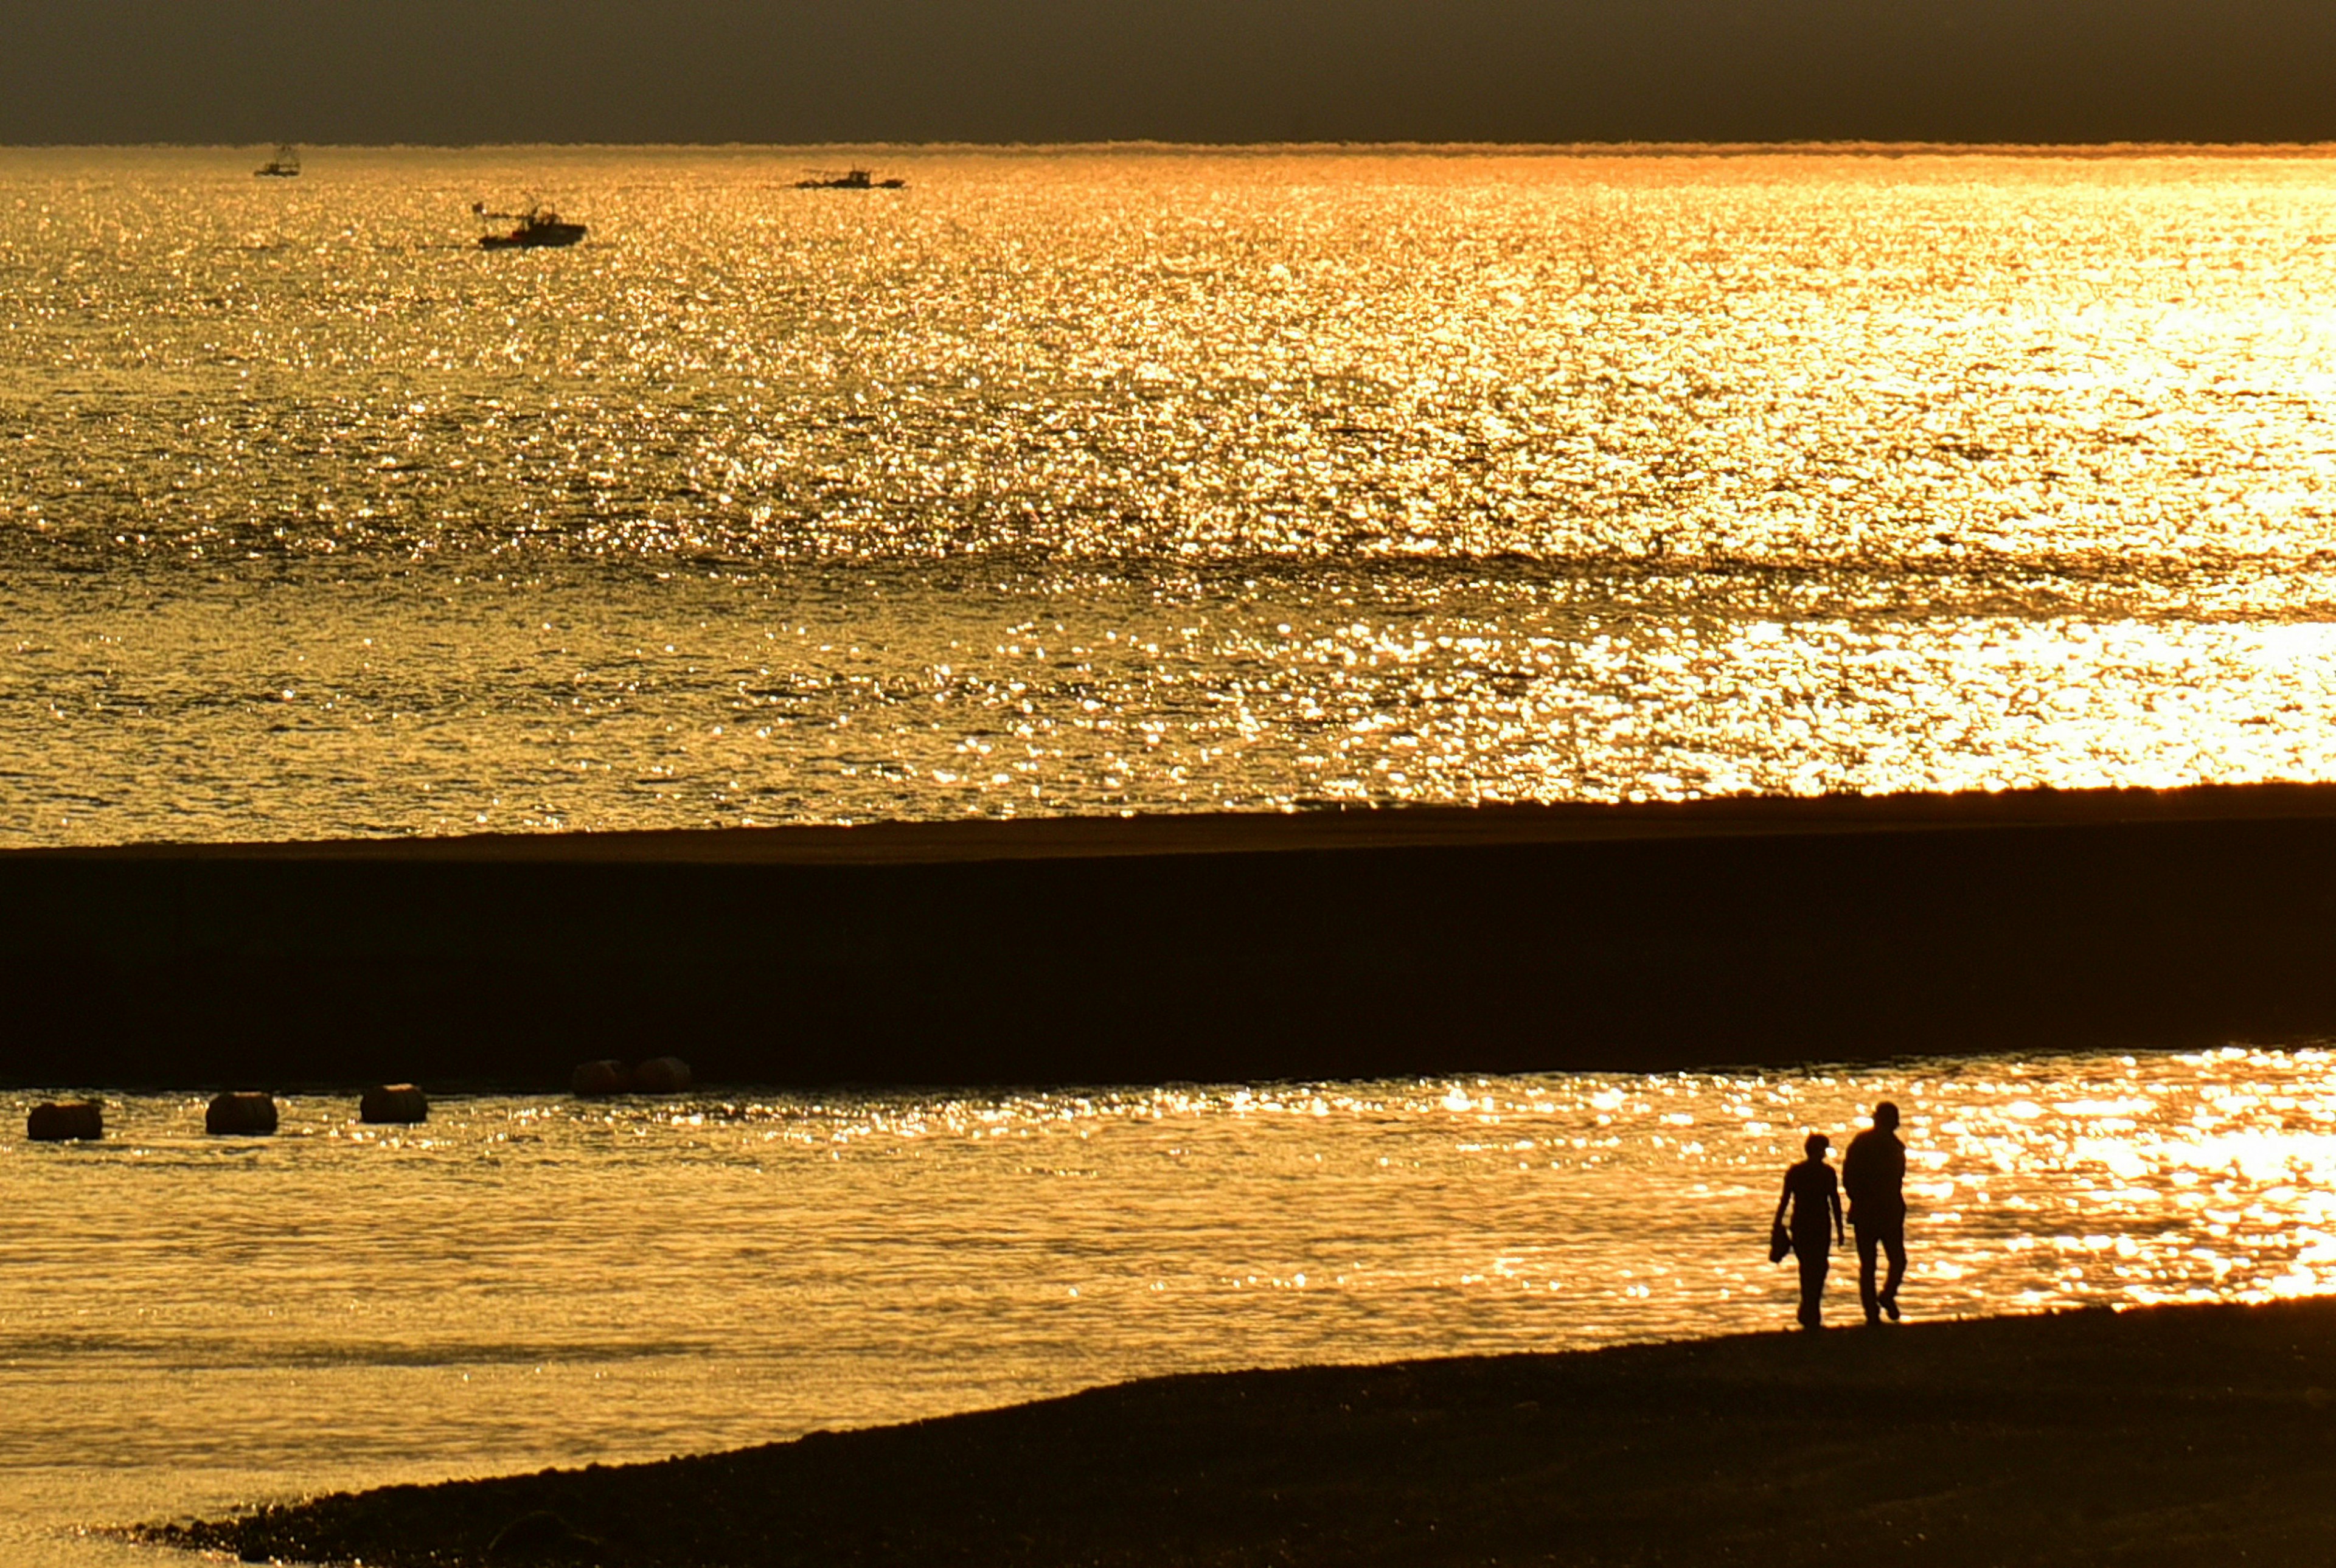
[(1885, 1116), (1815, 1144)]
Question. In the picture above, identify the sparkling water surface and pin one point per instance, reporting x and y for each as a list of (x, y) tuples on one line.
[(1146, 479), (1074, 481), (186, 1323)]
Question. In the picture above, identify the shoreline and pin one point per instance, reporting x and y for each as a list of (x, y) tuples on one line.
[(2162, 1435), (1318, 945), (1329, 827)]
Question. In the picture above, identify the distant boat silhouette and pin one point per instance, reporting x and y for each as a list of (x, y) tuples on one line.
[(849, 180), (284, 165), (537, 226)]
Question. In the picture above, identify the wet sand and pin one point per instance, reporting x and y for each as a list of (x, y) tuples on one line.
[(1315, 945), (2170, 1436)]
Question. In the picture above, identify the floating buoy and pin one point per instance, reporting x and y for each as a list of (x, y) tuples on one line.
[(661, 1076), (393, 1103), (242, 1113), (62, 1124), (596, 1079)]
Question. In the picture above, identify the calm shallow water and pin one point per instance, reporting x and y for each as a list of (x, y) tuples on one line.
[(188, 1322), (1090, 481)]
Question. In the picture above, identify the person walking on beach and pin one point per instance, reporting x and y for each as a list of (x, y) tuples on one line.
[(1814, 1196), (1874, 1170)]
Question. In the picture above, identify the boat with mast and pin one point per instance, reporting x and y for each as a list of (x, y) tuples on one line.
[(284, 165)]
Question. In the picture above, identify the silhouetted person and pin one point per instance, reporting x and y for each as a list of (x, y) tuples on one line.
[(1814, 1196), (1874, 1170)]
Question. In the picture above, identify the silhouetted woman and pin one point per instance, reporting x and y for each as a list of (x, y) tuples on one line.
[(1812, 1193)]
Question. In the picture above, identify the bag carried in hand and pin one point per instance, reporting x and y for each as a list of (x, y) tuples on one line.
[(1780, 1241)]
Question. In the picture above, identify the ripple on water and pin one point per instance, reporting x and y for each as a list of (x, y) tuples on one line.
[(1148, 481), (526, 1281)]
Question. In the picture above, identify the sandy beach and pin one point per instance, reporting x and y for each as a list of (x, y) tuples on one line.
[(2172, 1435), (1211, 948)]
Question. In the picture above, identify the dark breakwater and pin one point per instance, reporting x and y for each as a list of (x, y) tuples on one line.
[(1225, 947)]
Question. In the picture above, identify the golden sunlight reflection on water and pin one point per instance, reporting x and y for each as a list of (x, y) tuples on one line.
[(529, 1281), (1082, 481)]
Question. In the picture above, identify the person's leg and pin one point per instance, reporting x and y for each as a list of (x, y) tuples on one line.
[(1812, 1278), (1894, 1242), (1867, 1297)]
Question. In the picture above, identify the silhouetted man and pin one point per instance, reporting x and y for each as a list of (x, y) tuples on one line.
[(1814, 1196), (1874, 1173)]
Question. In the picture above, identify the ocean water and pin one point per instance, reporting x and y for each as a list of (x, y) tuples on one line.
[(1087, 482), (1144, 480), (191, 1323)]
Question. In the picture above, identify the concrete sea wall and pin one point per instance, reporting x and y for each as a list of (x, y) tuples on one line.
[(1317, 945)]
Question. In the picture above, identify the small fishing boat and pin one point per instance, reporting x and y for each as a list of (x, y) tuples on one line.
[(537, 227), (849, 180), (284, 165)]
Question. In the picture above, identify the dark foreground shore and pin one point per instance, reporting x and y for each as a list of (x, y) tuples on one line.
[(2173, 1435), (1314, 945)]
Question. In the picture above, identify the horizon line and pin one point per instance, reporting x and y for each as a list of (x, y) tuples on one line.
[(2107, 148)]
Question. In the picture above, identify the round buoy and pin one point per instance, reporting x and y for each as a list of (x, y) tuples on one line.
[(393, 1103), (595, 1079), (661, 1076), (242, 1113), (62, 1124)]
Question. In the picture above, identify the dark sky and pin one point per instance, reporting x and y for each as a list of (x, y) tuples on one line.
[(458, 71)]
